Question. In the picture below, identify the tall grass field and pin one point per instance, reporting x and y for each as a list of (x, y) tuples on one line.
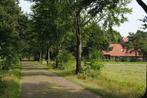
[(116, 80)]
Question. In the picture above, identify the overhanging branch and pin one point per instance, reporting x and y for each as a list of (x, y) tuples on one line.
[(142, 4)]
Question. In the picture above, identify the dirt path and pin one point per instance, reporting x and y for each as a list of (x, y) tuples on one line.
[(37, 82)]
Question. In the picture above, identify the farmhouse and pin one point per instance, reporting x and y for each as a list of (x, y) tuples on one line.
[(120, 52)]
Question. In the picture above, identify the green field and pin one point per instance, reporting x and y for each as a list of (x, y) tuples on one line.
[(116, 80)]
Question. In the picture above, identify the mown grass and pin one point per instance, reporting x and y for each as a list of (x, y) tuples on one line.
[(11, 79), (116, 80)]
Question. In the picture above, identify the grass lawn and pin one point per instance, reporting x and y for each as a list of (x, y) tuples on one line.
[(12, 80), (116, 80)]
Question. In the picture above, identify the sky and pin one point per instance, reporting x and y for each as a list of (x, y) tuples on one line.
[(132, 25)]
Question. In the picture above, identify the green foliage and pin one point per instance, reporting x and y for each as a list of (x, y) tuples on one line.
[(51, 24), (9, 32), (138, 42), (95, 37), (90, 69), (70, 25), (128, 59), (114, 16), (95, 55), (92, 65), (116, 79), (10, 83), (2, 86), (10, 62), (114, 36), (64, 57)]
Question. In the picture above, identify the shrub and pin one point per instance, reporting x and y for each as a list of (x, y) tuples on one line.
[(91, 69), (95, 55), (64, 57), (2, 86), (124, 59), (10, 62)]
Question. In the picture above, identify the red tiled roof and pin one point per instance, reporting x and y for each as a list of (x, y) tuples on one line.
[(118, 50), (125, 39)]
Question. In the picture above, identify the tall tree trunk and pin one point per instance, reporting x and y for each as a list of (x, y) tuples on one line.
[(142, 4), (41, 56), (48, 54), (57, 58), (79, 43), (145, 95)]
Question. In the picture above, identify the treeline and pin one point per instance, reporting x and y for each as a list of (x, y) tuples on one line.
[(138, 43), (81, 28), (10, 32), (58, 29)]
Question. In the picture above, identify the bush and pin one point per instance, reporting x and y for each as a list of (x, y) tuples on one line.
[(95, 55), (10, 62), (64, 57), (2, 86), (91, 69), (124, 59), (129, 59)]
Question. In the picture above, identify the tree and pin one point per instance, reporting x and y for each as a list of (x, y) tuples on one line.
[(51, 25), (92, 9), (9, 32), (134, 43), (144, 40), (94, 38), (50, 16), (114, 37), (137, 42)]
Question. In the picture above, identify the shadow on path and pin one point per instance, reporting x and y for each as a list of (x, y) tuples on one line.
[(39, 83)]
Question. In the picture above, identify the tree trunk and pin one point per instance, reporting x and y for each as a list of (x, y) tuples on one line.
[(145, 95), (79, 44), (57, 56), (48, 55), (57, 62), (57, 59), (142, 4), (41, 56)]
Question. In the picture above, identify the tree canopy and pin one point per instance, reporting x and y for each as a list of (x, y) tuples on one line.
[(9, 30)]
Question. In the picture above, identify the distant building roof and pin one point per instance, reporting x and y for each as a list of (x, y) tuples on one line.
[(119, 50), (125, 39)]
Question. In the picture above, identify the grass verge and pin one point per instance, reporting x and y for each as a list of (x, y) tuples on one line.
[(116, 80), (11, 79)]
